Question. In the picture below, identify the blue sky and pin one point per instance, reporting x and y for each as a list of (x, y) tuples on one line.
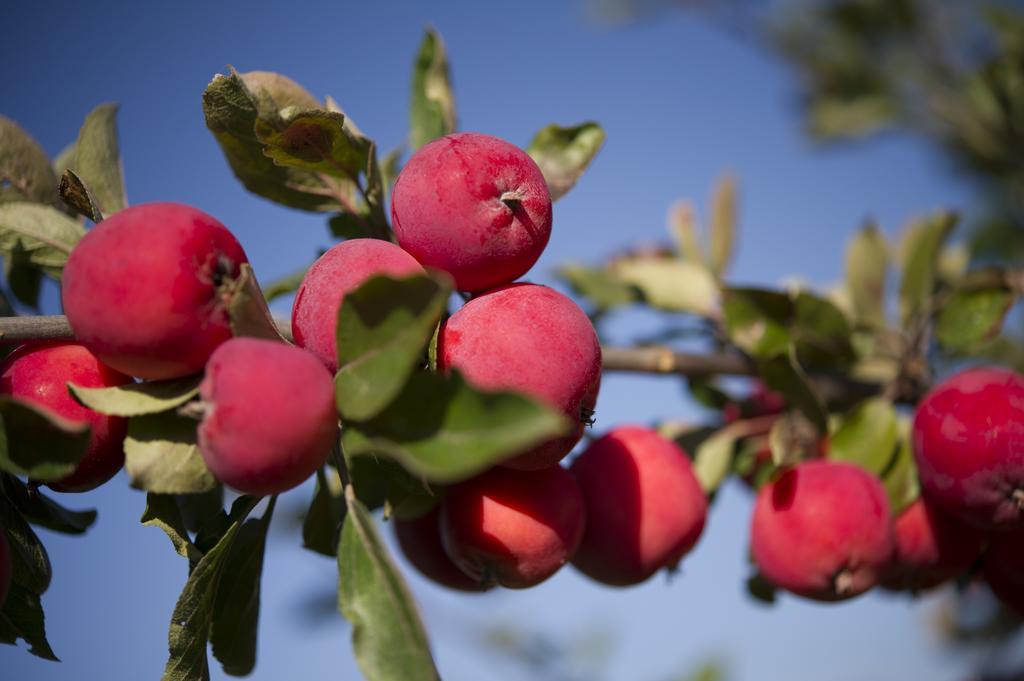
[(681, 103)]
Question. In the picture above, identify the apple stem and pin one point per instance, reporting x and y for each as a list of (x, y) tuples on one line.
[(512, 199), (842, 583)]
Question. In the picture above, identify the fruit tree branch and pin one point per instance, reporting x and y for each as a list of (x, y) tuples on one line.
[(647, 360)]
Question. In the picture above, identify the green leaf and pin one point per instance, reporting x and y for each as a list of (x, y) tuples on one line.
[(65, 160), (383, 483), (323, 518), (39, 509), (920, 249), (23, 277), (445, 430), (25, 171), (161, 455), (972, 317), (867, 261), (757, 320), (98, 158), (193, 615), (29, 562), (248, 312), (231, 106), (315, 140), (783, 374), (22, 617), (432, 111), (900, 480), (236, 606), (722, 229), (78, 197), (162, 511), (713, 458), (821, 332), (138, 399), (285, 285), (671, 284), (563, 154), (37, 443), (604, 290), (43, 235), (349, 226), (383, 328), (387, 633), (867, 436), (390, 166), (199, 509)]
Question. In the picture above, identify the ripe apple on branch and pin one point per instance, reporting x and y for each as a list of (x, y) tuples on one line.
[(455, 415)]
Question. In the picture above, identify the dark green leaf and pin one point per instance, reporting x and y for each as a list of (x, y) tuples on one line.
[(783, 374), (383, 328), (24, 278), (601, 288), (867, 261), (326, 511), (563, 154), (193, 615), (820, 332), (390, 166), (199, 509), (162, 511), (236, 606), (25, 172), (920, 250), (432, 112), (161, 455), (350, 226), (42, 235), (65, 160), (137, 399), (971, 318), (78, 197), (317, 141), (98, 158), (231, 106), (29, 561), (37, 443), (248, 311), (382, 483), (387, 634), (445, 430), (868, 436), (757, 321), (22, 617), (713, 458), (39, 509)]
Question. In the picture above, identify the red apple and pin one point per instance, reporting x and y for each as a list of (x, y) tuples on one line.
[(338, 271), (142, 289), (822, 530), (513, 528), (645, 508), (39, 373), (474, 206), (270, 418), (969, 446), (531, 339), (1003, 568), (931, 548)]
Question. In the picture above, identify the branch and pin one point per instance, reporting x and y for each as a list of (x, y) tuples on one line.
[(833, 388)]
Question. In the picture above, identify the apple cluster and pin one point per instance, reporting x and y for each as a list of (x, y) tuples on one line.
[(824, 529), (147, 293)]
